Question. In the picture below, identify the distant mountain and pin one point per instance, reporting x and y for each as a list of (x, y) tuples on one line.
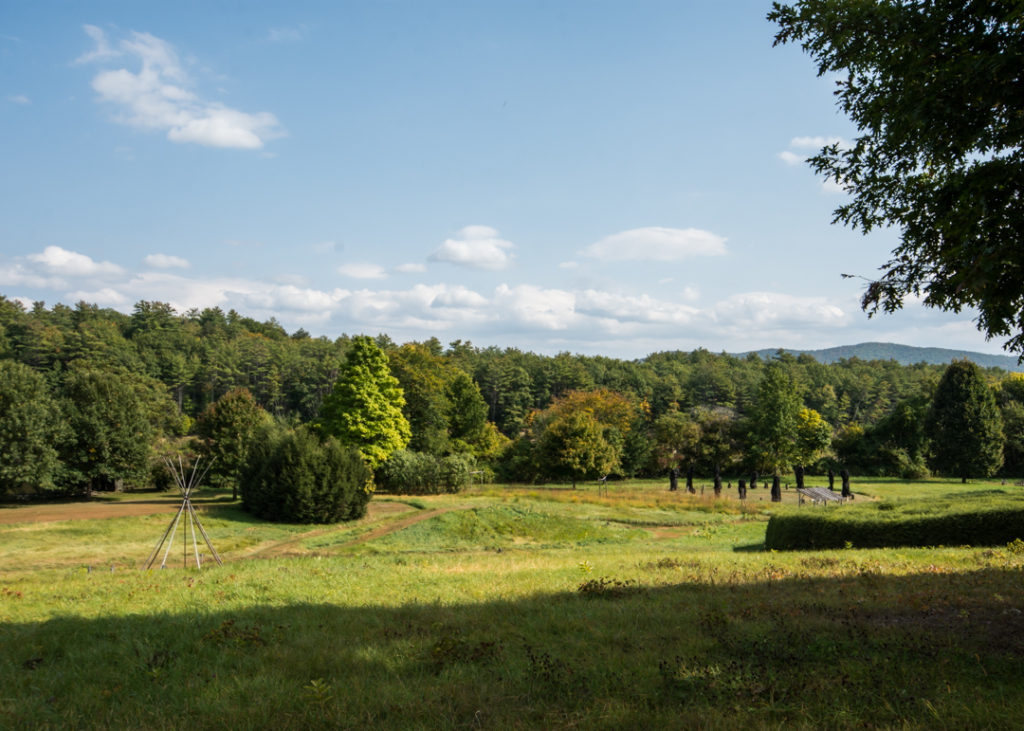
[(904, 354)]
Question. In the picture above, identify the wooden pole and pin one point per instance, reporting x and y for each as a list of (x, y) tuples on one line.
[(194, 478)]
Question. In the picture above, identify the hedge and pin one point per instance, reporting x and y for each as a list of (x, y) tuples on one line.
[(972, 522)]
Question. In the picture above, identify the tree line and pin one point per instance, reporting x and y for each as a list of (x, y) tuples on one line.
[(92, 398)]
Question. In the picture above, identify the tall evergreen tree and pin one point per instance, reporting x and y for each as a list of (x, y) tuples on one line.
[(964, 424), (364, 410)]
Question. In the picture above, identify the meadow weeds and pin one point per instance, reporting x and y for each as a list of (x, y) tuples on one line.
[(503, 610)]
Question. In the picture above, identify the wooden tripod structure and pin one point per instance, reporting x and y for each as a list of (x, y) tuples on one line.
[(186, 508)]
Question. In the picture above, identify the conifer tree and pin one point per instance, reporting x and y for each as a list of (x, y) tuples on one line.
[(964, 424), (364, 409)]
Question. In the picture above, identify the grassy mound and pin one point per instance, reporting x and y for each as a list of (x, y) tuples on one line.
[(990, 519), (501, 526)]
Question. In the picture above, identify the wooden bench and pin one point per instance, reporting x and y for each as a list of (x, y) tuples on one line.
[(821, 495)]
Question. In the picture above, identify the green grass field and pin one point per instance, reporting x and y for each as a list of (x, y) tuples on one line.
[(506, 607)]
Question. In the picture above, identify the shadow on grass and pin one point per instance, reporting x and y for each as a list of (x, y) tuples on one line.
[(749, 548), (857, 649), (232, 512)]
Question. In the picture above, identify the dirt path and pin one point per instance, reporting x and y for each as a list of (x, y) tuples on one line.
[(91, 509), (277, 550)]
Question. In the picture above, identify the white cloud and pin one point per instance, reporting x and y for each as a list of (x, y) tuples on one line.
[(478, 247), (550, 309), (19, 99), (813, 145), (62, 262), (656, 243), (157, 96), (800, 148), (629, 308), (106, 296), (358, 270), (16, 275), (411, 267), (791, 158), (816, 143), (456, 297), (166, 261), (289, 297), (754, 311), (569, 265), (102, 50), (324, 247)]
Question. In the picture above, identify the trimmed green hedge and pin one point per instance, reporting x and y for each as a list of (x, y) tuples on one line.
[(967, 522)]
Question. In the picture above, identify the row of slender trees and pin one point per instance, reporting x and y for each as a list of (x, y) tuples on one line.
[(91, 397)]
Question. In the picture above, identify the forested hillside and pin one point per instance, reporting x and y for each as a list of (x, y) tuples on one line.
[(904, 354), (92, 397)]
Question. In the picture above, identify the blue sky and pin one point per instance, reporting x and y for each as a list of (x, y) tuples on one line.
[(596, 177)]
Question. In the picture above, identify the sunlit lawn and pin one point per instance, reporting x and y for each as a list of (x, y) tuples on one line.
[(533, 606)]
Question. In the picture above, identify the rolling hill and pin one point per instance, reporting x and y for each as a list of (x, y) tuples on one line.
[(903, 354)]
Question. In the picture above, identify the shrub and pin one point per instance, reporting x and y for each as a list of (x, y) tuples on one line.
[(975, 522), (294, 477), (418, 473)]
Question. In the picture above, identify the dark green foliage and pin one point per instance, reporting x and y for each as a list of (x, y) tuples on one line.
[(935, 91), (467, 415), (1013, 433), (964, 424), (423, 380), (293, 477), (178, 365), (773, 433), (30, 426), (896, 446), (110, 428), (227, 428), (419, 473), (971, 522)]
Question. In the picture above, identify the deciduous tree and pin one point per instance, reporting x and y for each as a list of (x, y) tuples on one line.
[(110, 428), (228, 428), (775, 419), (813, 435), (573, 445), (936, 90), (30, 425)]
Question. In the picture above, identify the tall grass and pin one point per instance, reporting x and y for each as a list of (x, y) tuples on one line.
[(509, 611)]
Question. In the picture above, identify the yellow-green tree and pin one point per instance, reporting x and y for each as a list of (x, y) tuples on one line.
[(364, 409), (573, 445), (813, 436)]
